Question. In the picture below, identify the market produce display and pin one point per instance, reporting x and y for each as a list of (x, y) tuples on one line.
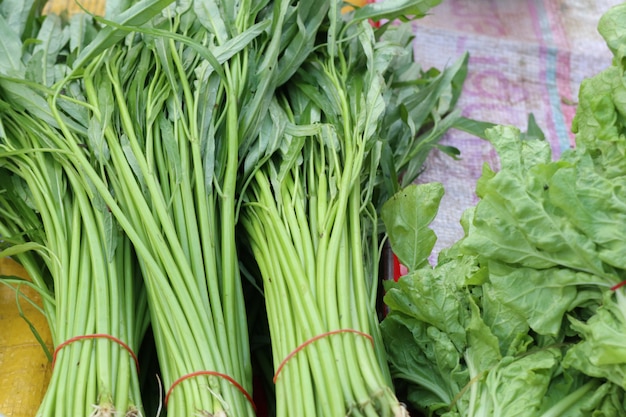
[(200, 193), (523, 316), (131, 147)]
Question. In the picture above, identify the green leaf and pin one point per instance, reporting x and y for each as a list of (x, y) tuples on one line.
[(407, 216), (310, 15), (602, 353), (115, 7), (425, 143), (596, 206), (451, 151), (473, 127), (138, 14), (393, 9), (132, 160), (483, 349), (506, 323), (543, 297), (426, 334), (599, 119), (517, 386), (291, 156), (52, 38), (572, 394), (515, 221), (210, 14), (21, 248), (435, 297), (21, 96), (17, 13), (11, 50), (425, 359), (611, 27), (533, 131), (79, 24), (98, 125), (170, 145)]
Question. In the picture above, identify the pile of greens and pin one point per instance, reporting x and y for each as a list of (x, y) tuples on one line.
[(139, 156), (524, 316)]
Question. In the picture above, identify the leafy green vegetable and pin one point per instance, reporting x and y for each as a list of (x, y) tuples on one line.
[(474, 337), (169, 110), (525, 315), (81, 268), (413, 229), (63, 235), (357, 112)]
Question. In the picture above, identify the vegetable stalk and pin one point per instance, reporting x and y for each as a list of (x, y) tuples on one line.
[(99, 314)]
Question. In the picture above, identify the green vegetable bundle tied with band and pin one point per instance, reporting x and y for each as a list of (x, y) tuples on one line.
[(62, 233), (311, 211), (526, 315)]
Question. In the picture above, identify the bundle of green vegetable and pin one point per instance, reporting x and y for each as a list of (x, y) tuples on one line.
[(78, 259), (358, 111), (97, 316), (525, 315), (154, 128)]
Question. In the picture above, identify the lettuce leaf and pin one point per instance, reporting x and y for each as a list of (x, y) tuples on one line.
[(455, 349), (517, 318)]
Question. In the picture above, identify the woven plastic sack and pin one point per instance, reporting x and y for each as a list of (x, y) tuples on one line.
[(24, 366), (71, 6)]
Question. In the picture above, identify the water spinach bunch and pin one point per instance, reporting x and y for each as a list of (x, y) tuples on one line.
[(80, 120), (61, 232), (358, 112)]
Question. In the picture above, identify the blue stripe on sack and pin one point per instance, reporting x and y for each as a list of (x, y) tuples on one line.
[(560, 126), (551, 53)]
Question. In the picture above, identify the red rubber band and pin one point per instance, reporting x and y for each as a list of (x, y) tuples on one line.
[(397, 270), (214, 373), (618, 286), (95, 336), (314, 339)]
